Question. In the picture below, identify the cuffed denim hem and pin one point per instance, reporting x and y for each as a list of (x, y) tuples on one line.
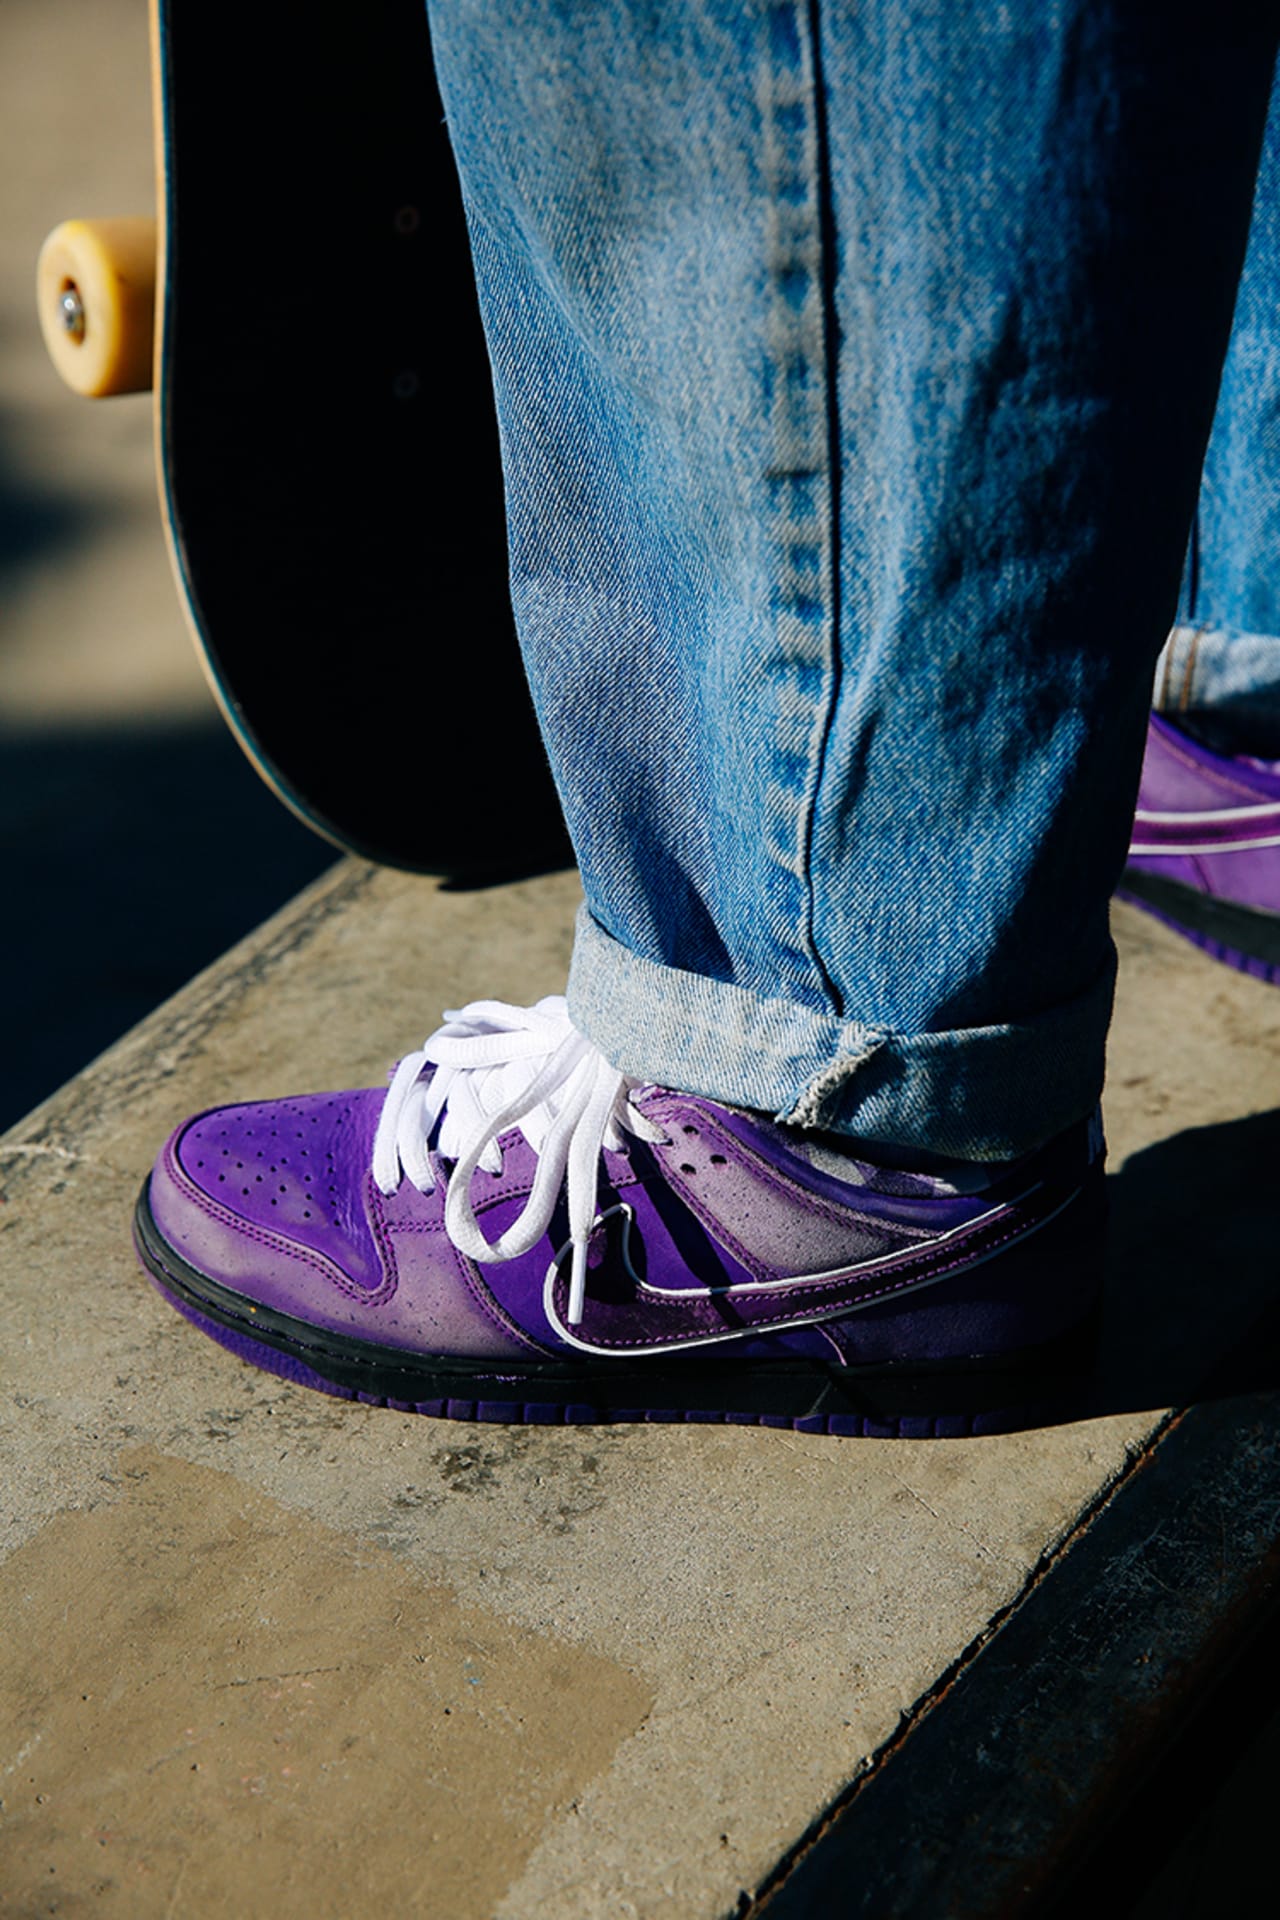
[(978, 1093), (1224, 673)]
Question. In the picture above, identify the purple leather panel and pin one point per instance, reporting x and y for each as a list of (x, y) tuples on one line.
[(443, 1306), (1025, 1299), (340, 1268), (285, 1168), (619, 1319)]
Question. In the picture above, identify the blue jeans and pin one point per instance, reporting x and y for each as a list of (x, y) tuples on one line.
[(854, 368), (1221, 663)]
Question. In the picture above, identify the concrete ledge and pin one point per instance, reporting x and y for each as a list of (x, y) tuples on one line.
[(268, 1652)]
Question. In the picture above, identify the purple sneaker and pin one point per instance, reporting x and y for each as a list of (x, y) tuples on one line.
[(1205, 853), (515, 1231)]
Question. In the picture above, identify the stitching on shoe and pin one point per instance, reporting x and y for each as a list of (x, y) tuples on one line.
[(377, 1296), (381, 1232), (904, 1284), (262, 1236), (1229, 784), (769, 1177), (490, 1305)]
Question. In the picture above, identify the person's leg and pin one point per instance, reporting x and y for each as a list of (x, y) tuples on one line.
[(854, 367), (1219, 674), (1205, 851)]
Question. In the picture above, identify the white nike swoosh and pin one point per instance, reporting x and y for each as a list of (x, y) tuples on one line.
[(827, 1274), (802, 1318)]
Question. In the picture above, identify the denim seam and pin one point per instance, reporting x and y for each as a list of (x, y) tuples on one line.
[(816, 1105), (1176, 669), (1189, 671), (800, 480), (830, 343), (1164, 673)]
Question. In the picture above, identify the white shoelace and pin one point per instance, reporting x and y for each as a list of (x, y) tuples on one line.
[(498, 1067)]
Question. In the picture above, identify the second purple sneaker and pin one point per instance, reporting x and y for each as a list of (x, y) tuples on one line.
[(515, 1231), (1205, 852)]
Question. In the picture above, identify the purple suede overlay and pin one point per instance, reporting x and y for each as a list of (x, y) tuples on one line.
[(282, 1170), (785, 1214), (765, 1142)]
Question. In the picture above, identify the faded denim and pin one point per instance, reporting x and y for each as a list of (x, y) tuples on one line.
[(854, 368)]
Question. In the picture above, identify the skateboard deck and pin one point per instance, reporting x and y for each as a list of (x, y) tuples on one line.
[(326, 440)]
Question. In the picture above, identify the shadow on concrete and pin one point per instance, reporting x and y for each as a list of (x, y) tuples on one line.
[(34, 521), (132, 858), (1193, 1271)]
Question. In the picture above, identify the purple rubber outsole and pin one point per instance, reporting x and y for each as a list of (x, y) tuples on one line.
[(1228, 956), (948, 1426)]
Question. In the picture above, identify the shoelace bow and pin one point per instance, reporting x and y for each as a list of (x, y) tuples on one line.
[(498, 1067)]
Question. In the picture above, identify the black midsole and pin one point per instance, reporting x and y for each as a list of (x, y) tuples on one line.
[(1251, 931), (794, 1388)]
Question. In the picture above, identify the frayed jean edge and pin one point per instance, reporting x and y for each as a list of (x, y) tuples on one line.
[(978, 1093)]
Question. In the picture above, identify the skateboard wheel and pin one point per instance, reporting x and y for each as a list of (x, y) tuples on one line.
[(96, 293)]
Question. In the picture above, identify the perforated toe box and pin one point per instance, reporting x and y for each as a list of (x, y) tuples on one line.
[(274, 1196)]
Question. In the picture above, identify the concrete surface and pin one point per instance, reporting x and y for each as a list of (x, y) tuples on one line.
[(269, 1652)]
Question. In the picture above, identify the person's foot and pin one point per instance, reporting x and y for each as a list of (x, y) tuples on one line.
[(1205, 852), (514, 1231)]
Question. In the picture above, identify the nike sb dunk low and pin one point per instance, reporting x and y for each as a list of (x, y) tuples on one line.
[(514, 1231), (1205, 852)]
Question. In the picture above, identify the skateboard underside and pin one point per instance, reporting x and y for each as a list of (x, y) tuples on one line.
[(328, 443)]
